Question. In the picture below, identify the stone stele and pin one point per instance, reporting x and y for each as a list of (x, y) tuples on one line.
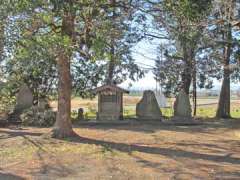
[(148, 108), (182, 106), (24, 98)]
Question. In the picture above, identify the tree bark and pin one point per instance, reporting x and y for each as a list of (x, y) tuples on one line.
[(194, 89), (63, 126), (187, 73), (223, 110), (2, 38), (111, 65)]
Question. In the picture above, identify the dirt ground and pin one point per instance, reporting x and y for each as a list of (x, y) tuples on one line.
[(124, 151)]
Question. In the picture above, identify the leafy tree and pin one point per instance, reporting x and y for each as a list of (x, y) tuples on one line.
[(227, 45), (64, 31)]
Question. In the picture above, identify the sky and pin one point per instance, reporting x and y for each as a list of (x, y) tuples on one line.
[(144, 54)]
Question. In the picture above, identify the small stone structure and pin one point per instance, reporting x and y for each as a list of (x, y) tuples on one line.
[(182, 106), (161, 99), (148, 108), (80, 114), (43, 104), (24, 98), (24, 101), (110, 102)]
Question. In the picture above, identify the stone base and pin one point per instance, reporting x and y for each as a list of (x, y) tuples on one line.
[(149, 119), (188, 121)]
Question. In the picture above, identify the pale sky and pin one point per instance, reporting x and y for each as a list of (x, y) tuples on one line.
[(144, 53)]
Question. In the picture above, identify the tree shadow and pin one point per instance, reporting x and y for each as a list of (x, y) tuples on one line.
[(9, 176), (46, 168), (12, 134), (152, 127), (168, 152), (147, 127)]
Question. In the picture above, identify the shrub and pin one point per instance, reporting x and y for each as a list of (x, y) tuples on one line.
[(34, 117)]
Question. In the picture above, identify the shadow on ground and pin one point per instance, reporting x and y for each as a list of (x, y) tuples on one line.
[(151, 127), (168, 152), (8, 176)]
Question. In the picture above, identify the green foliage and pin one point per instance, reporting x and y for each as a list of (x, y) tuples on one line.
[(34, 117), (7, 99)]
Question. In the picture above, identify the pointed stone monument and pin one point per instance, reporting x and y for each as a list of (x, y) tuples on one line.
[(148, 108), (182, 106)]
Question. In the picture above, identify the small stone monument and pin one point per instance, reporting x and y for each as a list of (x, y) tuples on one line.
[(182, 106), (24, 101), (24, 98), (80, 114), (161, 99), (148, 108), (43, 104)]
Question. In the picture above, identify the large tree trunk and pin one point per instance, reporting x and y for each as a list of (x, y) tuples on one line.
[(187, 73), (63, 126), (223, 110)]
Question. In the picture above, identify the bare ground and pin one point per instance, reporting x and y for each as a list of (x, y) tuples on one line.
[(137, 151)]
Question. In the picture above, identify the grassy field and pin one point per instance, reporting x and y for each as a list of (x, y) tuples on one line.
[(206, 107), (149, 151)]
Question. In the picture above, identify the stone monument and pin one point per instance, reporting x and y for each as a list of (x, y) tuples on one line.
[(24, 101), (161, 99), (80, 114), (24, 98), (182, 106), (148, 108), (110, 102)]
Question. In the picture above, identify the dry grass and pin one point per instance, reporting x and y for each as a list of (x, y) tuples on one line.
[(140, 151), (206, 106)]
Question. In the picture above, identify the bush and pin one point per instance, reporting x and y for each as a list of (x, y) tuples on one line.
[(34, 117), (7, 100)]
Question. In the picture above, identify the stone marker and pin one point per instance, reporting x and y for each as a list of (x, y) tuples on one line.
[(24, 101), (24, 98), (80, 114), (161, 99), (43, 104), (182, 106), (148, 108)]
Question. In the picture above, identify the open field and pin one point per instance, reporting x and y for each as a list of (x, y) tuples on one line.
[(206, 106), (135, 151)]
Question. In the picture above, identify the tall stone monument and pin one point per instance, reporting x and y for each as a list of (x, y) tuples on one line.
[(182, 106), (148, 108), (161, 99), (24, 98), (24, 101)]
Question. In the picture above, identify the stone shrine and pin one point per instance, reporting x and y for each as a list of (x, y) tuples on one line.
[(110, 102)]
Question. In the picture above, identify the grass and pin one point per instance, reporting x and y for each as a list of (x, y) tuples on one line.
[(203, 110)]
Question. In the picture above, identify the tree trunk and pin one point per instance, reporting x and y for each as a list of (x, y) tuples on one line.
[(223, 110), (63, 126), (111, 65), (194, 89), (187, 73), (2, 23)]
